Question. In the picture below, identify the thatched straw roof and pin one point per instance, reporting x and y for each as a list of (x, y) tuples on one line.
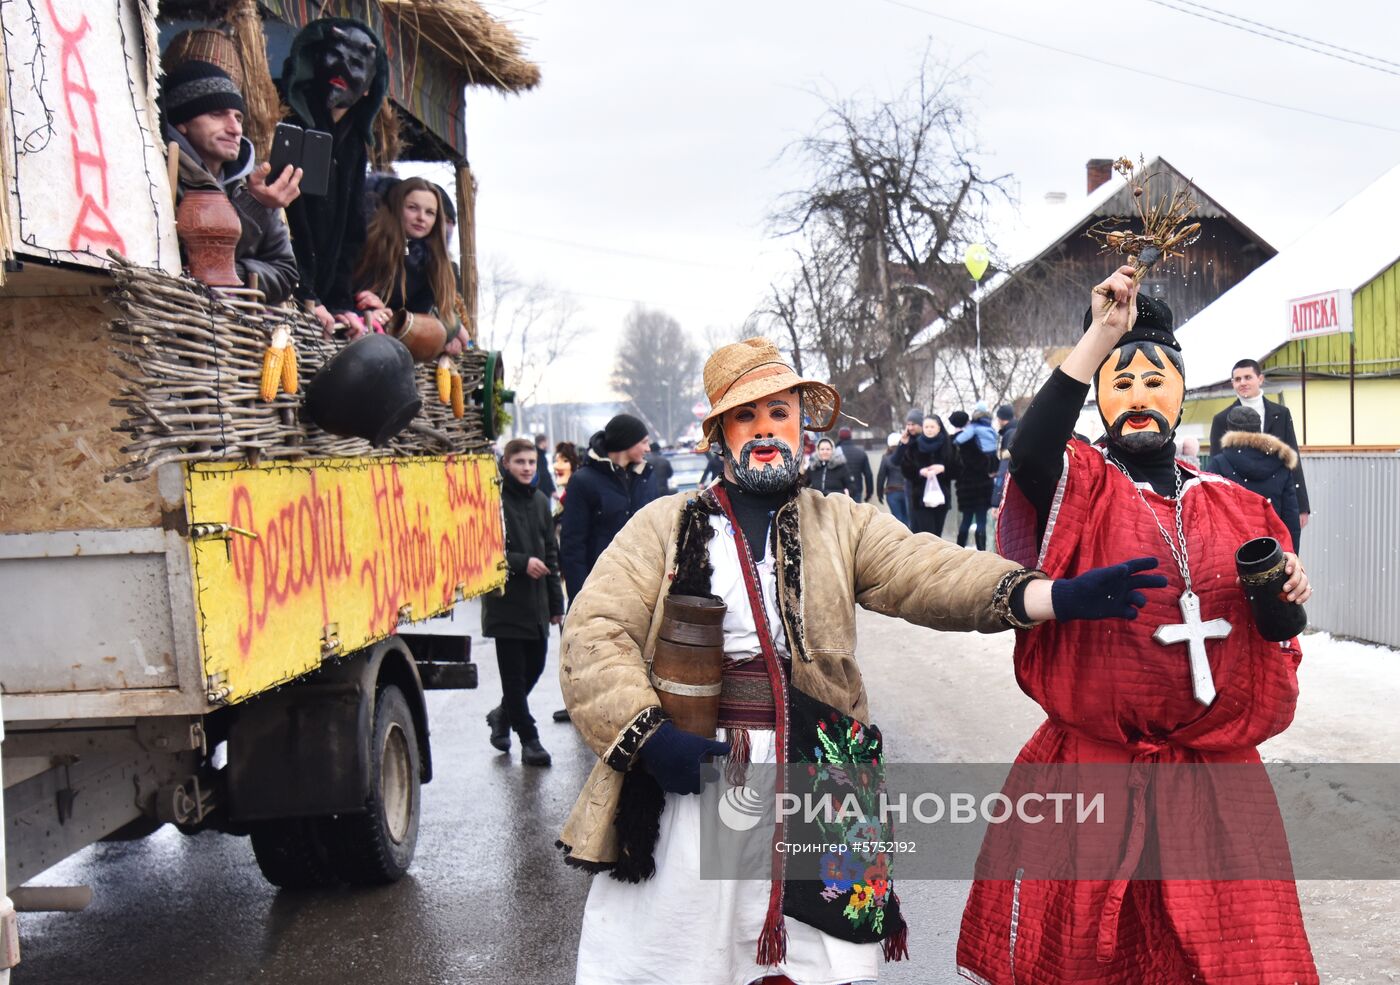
[(488, 51)]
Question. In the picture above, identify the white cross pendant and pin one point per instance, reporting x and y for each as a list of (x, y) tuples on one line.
[(1194, 634)]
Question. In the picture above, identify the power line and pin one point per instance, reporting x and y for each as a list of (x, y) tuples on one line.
[(1141, 71), (1292, 34), (1274, 34)]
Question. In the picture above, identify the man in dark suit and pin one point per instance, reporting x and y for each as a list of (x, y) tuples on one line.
[(1248, 380)]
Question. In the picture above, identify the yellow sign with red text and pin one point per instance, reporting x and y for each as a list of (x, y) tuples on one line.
[(302, 561)]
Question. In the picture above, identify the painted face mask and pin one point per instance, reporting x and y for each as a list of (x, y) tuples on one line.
[(344, 66), (760, 441), (1140, 392)]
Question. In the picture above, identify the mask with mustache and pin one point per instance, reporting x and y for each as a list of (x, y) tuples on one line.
[(763, 478), (1140, 390)]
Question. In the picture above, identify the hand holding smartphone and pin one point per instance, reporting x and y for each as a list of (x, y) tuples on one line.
[(309, 150)]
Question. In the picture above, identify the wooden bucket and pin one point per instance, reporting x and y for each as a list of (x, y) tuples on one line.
[(688, 680), (693, 620)]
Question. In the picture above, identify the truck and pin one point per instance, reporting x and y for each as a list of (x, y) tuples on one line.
[(210, 604)]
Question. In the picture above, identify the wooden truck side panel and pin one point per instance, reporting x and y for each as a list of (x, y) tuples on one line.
[(296, 562)]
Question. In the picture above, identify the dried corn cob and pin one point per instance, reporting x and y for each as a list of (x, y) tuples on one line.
[(444, 379), (459, 399), (291, 379), (273, 358)]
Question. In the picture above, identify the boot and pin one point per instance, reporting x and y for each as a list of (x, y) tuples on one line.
[(500, 728), (533, 754)]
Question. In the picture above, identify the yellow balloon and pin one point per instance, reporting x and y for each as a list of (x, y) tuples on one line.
[(976, 259)]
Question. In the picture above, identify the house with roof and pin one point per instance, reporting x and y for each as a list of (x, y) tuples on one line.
[(1039, 302), (1323, 318)]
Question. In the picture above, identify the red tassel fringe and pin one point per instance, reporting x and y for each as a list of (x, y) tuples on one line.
[(772, 943), (896, 946), (736, 770)]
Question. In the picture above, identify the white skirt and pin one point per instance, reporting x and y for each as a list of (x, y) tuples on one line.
[(679, 929)]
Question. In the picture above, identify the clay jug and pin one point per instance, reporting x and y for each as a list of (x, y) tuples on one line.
[(209, 228), (424, 335)]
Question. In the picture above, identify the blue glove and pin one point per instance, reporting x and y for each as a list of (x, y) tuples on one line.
[(674, 757), (1105, 593)]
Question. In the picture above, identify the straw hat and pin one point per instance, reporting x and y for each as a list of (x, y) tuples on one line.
[(742, 372)]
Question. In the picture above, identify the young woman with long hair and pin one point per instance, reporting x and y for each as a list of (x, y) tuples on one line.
[(404, 264)]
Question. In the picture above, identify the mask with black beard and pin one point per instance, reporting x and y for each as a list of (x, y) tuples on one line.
[(779, 474), (1138, 442), (344, 66)]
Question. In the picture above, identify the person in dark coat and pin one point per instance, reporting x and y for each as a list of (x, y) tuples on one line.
[(519, 617), (862, 481), (975, 447), (1248, 380), (890, 482), (661, 470), (1261, 463), (1006, 426), (613, 484), (335, 79), (927, 456), (714, 468), (543, 481), (826, 472)]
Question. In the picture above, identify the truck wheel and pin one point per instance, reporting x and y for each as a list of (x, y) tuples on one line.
[(291, 853), (377, 847)]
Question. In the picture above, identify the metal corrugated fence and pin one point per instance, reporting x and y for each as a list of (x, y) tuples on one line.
[(1351, 546)]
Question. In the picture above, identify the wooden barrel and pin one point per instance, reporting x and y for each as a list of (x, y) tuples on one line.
[(695, 620), (688, 680)]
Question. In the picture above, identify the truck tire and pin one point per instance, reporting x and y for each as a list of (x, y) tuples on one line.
[(376, 847), (291, 853)]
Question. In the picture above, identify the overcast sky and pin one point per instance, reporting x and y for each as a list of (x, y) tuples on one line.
[(643, 166)]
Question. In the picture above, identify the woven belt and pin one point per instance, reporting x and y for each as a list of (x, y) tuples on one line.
[(746, 695)]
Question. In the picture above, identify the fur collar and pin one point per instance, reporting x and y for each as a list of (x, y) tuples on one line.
[(1265, 443)]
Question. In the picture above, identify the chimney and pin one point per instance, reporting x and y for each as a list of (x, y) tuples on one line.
[(1099, 169)]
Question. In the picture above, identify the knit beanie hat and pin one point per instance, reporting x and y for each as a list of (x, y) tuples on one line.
[(622, 432), (915, 416), (1243, 419), (195, 88), (1006, 413), (958, 418)]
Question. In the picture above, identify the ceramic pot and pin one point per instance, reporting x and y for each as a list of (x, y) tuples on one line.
[(366, 390), (424, 335), (209, 228)]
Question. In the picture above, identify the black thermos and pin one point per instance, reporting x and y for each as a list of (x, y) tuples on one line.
[(1260, 564)]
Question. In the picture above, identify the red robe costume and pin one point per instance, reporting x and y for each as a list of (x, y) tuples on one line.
[(1114, 695)]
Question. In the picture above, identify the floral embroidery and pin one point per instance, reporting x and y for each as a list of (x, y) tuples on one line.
[(845, 763)]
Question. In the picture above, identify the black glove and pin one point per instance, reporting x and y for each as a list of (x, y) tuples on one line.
[(674, 757), (1105, 593)]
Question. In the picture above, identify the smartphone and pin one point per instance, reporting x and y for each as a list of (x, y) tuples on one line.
[(315, 162), (287, 142)]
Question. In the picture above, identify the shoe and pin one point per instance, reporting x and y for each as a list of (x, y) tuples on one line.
[(562, 715), (500, 728), (533, 754)]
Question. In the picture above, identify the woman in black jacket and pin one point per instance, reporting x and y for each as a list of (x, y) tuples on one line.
[(1262, 464), (519, 616), (826, 472), (925, 457)]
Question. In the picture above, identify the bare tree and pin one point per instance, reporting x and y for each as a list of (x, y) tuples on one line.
[(895, 195), (532, 323), (658, 370)]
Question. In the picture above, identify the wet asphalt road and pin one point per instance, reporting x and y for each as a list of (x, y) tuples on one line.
[(487, 900)]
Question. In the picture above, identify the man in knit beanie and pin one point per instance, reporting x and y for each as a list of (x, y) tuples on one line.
[(614, 482), (204, 118)]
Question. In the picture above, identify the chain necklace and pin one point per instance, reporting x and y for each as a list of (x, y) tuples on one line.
[(1179, 556), (1191, 630)]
